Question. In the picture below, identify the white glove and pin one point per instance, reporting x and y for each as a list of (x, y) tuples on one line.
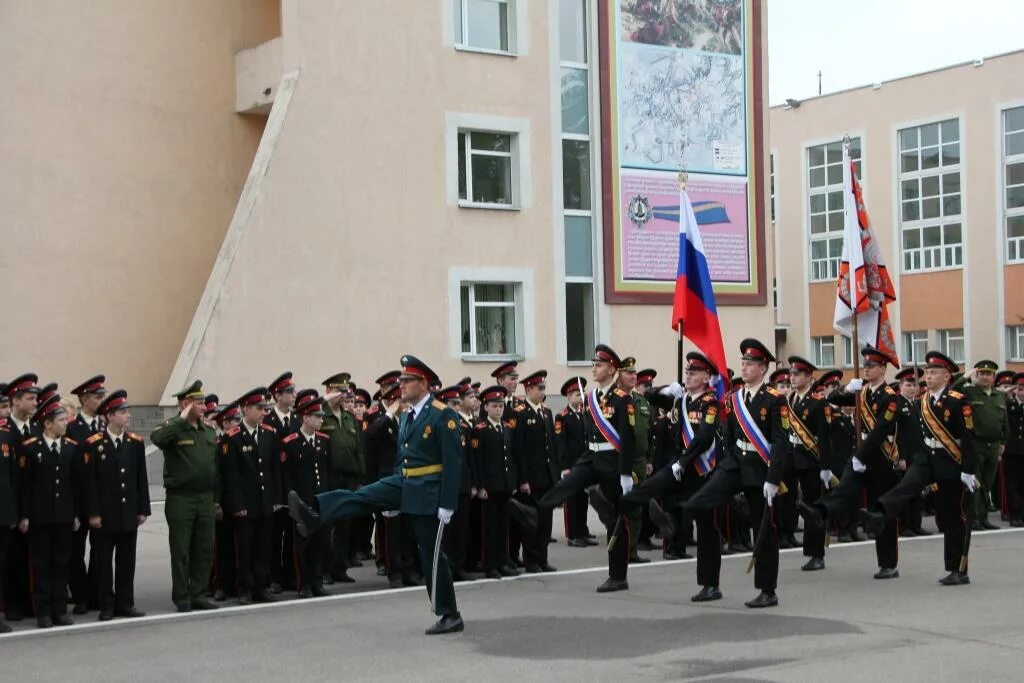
[(674, 389), (770, 491), (626, 482), (858, 466), (826, 478), (969, 481), (390, 513), (677, 471), (854, 385), (445, 515)]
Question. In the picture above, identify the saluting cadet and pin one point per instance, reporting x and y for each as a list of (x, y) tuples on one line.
[(306, 459), (497, 476), (284, 421), (8, 499), (570, 433), (1013, 456), (809, 419), (697, 444), (23, 394), (756, 454), (190, 479), (52, 474), (874, 464), (119, 496), (536, 456), (947, 425), (426, 487), (252, 486), (88, 421), (347, 467), (610, 419)]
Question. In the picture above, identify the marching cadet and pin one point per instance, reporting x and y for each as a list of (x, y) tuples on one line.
[(284, 421), (909, 439), (570, 433), (694, 458), (426, 487), (787, 513), (1013, 456), (23, 394), (536, 456), (809, 420), (52, 474), (947, 424), (989, 434), (456, 539), (190, 480), (8, 498), (119, 497), (87, 422), (611, 444), (252, 485), (755, 456), (306, 457), (496, 479), (347, 468), (874, 463), (225, 581), (627, 381)]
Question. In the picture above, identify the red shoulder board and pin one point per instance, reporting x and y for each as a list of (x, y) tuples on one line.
[(374, 410), (264, 425), (323, 434), (520, 408), (136, 437), (620, 392), (70, 441), (291, 437), (481, 425), (234, 430), (955, 394), (773, 391), (98, 436)]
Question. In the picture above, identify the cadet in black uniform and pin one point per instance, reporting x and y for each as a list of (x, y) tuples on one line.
[(609, 423), (787, 512), (570, 433), (756, 454), (909, 439), (1013, 456), (306, 464), (469, 507), (536, 455), (8, 499), (81, 577), (809, 419), (497, 477), (119, 496), (225, 580), (457, 537), (23, 394), (696, 453), (252, 485), (284, 421), (52, 473)]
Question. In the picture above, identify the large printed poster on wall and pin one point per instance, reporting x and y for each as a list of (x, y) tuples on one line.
[(681, 90)]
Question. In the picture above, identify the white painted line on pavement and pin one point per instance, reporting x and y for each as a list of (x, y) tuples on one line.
[(227, 611)]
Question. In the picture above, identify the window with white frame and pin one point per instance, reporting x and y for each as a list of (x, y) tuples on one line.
[(1013, 182), (951, 343), (577, 180), (930, 203), (486, 167), (825, 205), (1015, 342), (915, 345), (485, 25), (489, 311), (771, 174), (824, 351), (847, 352)]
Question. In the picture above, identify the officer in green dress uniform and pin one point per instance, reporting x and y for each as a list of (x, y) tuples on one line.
[(991, 429), (425, 486), (190, 479)]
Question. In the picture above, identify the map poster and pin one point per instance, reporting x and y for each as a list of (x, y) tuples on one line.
[(682, 89)]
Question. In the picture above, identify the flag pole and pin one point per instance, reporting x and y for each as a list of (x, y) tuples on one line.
[(683, 176), (855, 340)]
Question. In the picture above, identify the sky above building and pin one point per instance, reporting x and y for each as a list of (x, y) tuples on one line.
[(868, 41)]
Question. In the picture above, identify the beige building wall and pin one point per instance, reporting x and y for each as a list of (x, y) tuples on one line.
[(123, 161), (973, 296)]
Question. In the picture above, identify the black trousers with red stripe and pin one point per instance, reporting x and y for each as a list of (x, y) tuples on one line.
[(17, 590), (496, 526), (952, 507), (574, 512), (810, 492), (50, 546), (851, 493), (224, 575), (253, 542), (308, 558)]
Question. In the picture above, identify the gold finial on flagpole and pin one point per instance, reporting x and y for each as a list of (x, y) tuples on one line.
[(683, 177)]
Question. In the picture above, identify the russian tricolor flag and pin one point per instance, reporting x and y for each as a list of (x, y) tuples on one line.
[(694, 304)]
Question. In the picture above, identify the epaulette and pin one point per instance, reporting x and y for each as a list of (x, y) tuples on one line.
[(481, 425), (709, 396), (136, 437), (323, 434), (889, 390), (620, 393), (234, 430), (30, 440), (955, 394), (98, 436), (70, 441), (438, 404), (291, 437), (773, 391), (266, 426), (373, 410), (3, 423), (520, 408)]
